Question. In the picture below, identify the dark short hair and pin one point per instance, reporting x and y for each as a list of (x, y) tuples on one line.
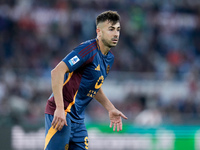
[(111, 16)]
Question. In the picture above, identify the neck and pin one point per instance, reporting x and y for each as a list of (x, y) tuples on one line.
[(103, 48)]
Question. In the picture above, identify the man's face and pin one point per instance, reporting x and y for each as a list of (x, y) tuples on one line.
[(109, 33)]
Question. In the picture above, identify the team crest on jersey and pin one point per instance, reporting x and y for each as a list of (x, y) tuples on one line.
[(108, 69), (73, 60)]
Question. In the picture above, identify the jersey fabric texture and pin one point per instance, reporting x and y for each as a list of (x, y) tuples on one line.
[(88, 70)]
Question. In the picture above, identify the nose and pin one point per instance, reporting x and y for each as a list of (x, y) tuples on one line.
[(116, 34)]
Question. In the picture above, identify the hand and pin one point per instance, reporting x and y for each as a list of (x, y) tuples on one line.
[(115, 119), (59, 119)]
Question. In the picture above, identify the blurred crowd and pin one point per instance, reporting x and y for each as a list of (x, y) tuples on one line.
[(158, 38)]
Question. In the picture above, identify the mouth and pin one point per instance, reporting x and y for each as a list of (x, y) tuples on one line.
[(115, 40)]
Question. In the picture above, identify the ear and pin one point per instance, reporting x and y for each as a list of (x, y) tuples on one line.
[(98, 30)]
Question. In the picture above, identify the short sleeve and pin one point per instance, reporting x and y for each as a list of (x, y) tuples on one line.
[(73, 61), (75, 58)]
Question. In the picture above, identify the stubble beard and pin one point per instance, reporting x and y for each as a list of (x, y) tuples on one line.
[(106, 43)]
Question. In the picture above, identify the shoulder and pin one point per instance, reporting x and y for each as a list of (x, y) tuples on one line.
[(87, 48), (88, 44)]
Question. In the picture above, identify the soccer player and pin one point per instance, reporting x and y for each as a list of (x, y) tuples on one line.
[(76, 80)]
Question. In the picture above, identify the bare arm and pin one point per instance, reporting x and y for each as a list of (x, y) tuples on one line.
[(114, 114), (101, 98), (57, 78)]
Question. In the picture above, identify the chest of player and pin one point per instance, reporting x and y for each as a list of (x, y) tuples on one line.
[(94, 75), (96, 72)]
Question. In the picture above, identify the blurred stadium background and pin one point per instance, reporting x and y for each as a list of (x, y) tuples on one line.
[(154, 80)]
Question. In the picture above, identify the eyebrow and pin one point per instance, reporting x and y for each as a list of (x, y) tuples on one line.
[(113, 27)]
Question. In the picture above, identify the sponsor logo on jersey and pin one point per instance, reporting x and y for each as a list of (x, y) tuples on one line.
[(73, 60), (98, 68)]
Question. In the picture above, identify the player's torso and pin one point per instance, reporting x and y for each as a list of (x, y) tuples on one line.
[(92, 79), (94, 75)]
